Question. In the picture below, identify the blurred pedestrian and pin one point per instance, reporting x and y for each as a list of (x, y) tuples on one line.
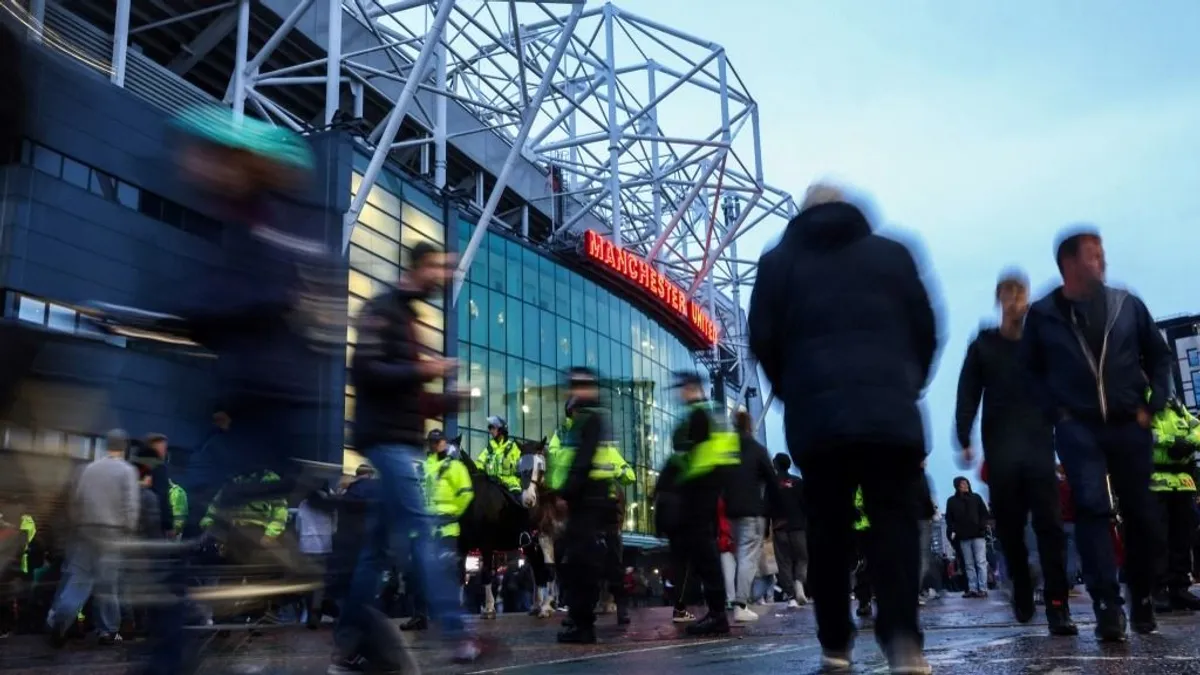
[(843, 327)]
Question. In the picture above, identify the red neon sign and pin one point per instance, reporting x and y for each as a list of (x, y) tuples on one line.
[(636, 270)]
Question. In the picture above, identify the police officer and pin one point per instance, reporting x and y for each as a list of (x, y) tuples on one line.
[(587, 488), (448, 492), (502, 457), (704, 449), (1176, 440), (609, 457)]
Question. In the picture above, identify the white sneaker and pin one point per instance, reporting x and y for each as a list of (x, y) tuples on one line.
[(744, 615), (792, 604), (836, 661)]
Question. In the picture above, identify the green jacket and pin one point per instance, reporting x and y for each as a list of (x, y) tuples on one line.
[(721, 448), (861, 524), (448, 492), (1176, 432), (179, 505), (607, 464), (500, 460), (271, 515)]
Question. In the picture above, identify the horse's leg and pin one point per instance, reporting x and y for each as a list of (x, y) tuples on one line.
[(486, 563), (541, 578)]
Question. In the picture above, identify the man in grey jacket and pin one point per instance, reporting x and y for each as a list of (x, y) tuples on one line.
[(104, 510)]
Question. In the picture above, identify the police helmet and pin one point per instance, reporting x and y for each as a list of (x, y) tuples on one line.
[(497, 422), (434, 437)]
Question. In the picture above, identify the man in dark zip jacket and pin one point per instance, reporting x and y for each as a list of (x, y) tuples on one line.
[(1089, 350), (1018, 445)]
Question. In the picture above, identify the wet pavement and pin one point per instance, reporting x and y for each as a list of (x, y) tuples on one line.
[(962, 636)]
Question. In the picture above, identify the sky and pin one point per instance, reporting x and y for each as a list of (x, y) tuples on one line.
[(984, 128)]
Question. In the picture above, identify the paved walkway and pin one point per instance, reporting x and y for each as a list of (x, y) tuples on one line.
[(962, 637)]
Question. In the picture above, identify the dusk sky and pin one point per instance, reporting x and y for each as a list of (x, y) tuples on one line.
[(984, 128)]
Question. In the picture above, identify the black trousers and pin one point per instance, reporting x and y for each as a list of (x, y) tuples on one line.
[(614, 568), (582, 567), (891, 478), (1177, 513), (694, 549), (1017, 492), (862, 567)]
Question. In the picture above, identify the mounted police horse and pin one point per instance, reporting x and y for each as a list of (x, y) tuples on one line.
[(499, 522)]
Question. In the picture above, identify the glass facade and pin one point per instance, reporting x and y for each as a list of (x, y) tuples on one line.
[(523, 318), (387, 229)]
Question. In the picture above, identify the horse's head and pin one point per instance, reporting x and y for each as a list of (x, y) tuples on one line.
[(454, 448), (530, 496)]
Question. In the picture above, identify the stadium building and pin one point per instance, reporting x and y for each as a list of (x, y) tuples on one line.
[(593, 169)]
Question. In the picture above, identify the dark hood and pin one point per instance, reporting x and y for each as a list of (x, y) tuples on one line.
[(829, 226), (962, 479)]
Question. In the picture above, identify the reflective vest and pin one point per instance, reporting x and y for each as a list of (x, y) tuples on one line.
[(721, 448), (179, 505), (861, 524), (271, 515), (29, 529), (448, 492), (500, 460), (1172, 426), (607, 463)]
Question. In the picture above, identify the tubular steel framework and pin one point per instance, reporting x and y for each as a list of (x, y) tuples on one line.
[(654, 135)]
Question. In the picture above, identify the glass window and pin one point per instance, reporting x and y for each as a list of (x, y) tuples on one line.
[(495, 384), (552, 403), (529, 275), (104, 185), (424, 224), (463, 308), (31, 310), (562, 337), (532, 337), (61, 318), (496, 328), (433, 339), (376, 243), (496, 265), (479, 265), (531, 401), (591, 350), (546, 283), (428, 314), (1193, 357), (478, 386), (380, 222), (603, 320), (577, 301), (47, 160), (626, 363), (562, 292), (514, 325), (548, 337), (512, 263), (589, 304), (383, 200), (604, 356), (626, 319), (79, 447), (410, 238), (578, 345), (515, 406), (477, 297), (128, 195), (75, 173), (382, 270)]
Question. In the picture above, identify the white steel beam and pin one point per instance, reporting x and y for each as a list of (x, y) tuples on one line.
[(333, 63), (208, 39), (528, 117), (383, 146), (240, 76), (120, 42)]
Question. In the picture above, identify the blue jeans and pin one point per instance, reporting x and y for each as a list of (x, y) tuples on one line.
[(399, 512), (91, 570), (1093, 454), (975, 564)]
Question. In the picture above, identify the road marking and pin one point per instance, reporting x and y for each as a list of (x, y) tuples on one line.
[(597, 657)]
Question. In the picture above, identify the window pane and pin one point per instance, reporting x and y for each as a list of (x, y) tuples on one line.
[(532, 400), (79, 447), (427, 313), (477, 297), (562, 292), (425, 225), (31, 310), (372, 265), (380, 222), (552, 403), (547, 337), (512, 260), (577, 298), (479, 264), (529, 275), (514, 326), (602, 311), (433, 339), (546, 276), (376, 243), (47, 160), (104, 185), (514, 398), (496, 327), (463, 309), (478, 383), (495, 384), (591, 354), (604, 357), (61, 318), (589, 304), (532, 337), (128, 195), (496, 267), (75, 173), (578, 345), (562, 337)]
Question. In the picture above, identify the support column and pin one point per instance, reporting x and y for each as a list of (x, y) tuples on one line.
[(527, 118), (333, 67), (432, 38), (239, 63), (614, 129), (120, 41), (439, 119), (37, 9)]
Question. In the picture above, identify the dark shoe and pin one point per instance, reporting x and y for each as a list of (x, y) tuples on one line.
[(623, 618), (1110, 622), (864, 610), (1183, 599), (415, 623), (346, 666), (712, 624), (110, 639), (1058, 618), (1023, 606), (905, 658), (568, 622), (578, 636), (836, 661), (1141, 616)]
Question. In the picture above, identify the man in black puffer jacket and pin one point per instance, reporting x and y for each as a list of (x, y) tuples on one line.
[(842, 325)]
